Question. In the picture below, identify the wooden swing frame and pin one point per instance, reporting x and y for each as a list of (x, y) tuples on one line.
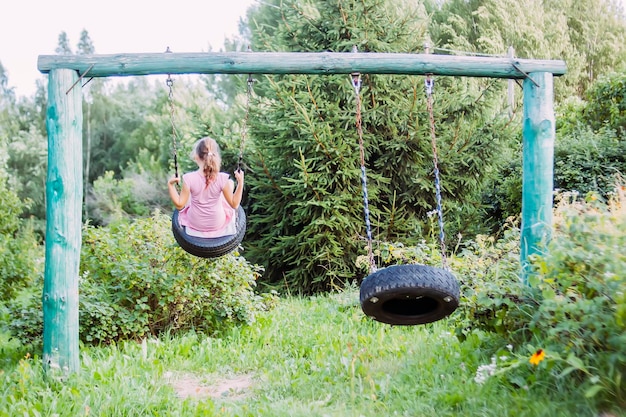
[(64, 119)]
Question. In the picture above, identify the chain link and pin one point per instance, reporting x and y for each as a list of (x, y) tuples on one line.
[(244, 127), (429, 84), (170, 83), (356, 84)]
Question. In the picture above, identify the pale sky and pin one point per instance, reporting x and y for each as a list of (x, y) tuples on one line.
[(31, 28)]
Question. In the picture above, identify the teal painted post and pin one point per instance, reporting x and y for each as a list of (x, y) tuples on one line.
[(64, 189), (538, 133)]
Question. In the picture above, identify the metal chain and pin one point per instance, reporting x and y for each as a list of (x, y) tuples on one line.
[(244, 127), (430, 83), (356, 84), (170, 83)]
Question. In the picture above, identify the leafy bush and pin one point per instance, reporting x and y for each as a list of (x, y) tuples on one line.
[(20, 254), (25, 316), (607, 103), (135, 195), (588, 161), (502, 195), (584, 161), (582, 311), (136, 282), (589, 152), (493, 297), (573, 313)]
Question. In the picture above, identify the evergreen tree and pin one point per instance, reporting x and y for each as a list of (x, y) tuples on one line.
[(85, 45), (63, 45), (306, 217)]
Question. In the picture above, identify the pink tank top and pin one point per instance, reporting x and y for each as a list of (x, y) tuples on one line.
[(207, 209)]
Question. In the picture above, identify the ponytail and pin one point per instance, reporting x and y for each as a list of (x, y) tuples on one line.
[(208, 151)]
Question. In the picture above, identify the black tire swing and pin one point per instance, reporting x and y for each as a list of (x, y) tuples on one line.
[(219, 246), (406, 294)]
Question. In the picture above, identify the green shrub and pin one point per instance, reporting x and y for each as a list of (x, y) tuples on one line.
[(572, 316), (135, 281), (493, 297), (589, 151), (591, 144), (135, 195), (20, 253), (607, 103), (584, 161), (581, 279), (587, 161), (25, 316)]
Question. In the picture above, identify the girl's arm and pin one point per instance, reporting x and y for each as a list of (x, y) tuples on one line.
[(234, 198), (179, 200)]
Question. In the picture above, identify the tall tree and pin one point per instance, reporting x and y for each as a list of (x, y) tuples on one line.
[(7, 102), (63, 45), (7, 93), (28, 164), (587, 34), (85, 45), (597, 29), (306, 212)]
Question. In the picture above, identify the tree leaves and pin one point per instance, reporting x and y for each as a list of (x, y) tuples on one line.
[(306, 205)]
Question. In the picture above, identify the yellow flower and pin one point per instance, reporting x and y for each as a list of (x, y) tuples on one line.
[(537, 357)]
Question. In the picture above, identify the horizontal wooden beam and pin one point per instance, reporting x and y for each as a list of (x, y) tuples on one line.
[(297, 63)]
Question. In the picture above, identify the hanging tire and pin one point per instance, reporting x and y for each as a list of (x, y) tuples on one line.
[(213, 247), (409, 294)]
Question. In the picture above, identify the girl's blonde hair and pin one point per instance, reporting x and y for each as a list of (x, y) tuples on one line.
[(208, 151)]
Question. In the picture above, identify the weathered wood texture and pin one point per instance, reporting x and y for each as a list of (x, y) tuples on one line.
[(64, 192), (538, 131), (297, 63)]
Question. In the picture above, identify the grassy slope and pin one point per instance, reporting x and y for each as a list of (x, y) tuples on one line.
[(317, 356)]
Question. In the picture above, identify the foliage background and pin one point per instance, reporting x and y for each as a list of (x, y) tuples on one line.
[(303, 195), (303, 192)]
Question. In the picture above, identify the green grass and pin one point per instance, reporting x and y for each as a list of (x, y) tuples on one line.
[(316, 356)]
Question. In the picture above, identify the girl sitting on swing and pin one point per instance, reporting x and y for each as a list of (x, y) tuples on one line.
[(214, 199)]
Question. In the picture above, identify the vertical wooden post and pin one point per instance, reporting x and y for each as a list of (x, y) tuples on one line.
[(64, 191), (538, 133)]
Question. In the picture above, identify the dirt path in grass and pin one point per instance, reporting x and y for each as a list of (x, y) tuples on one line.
[(190, 385)]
